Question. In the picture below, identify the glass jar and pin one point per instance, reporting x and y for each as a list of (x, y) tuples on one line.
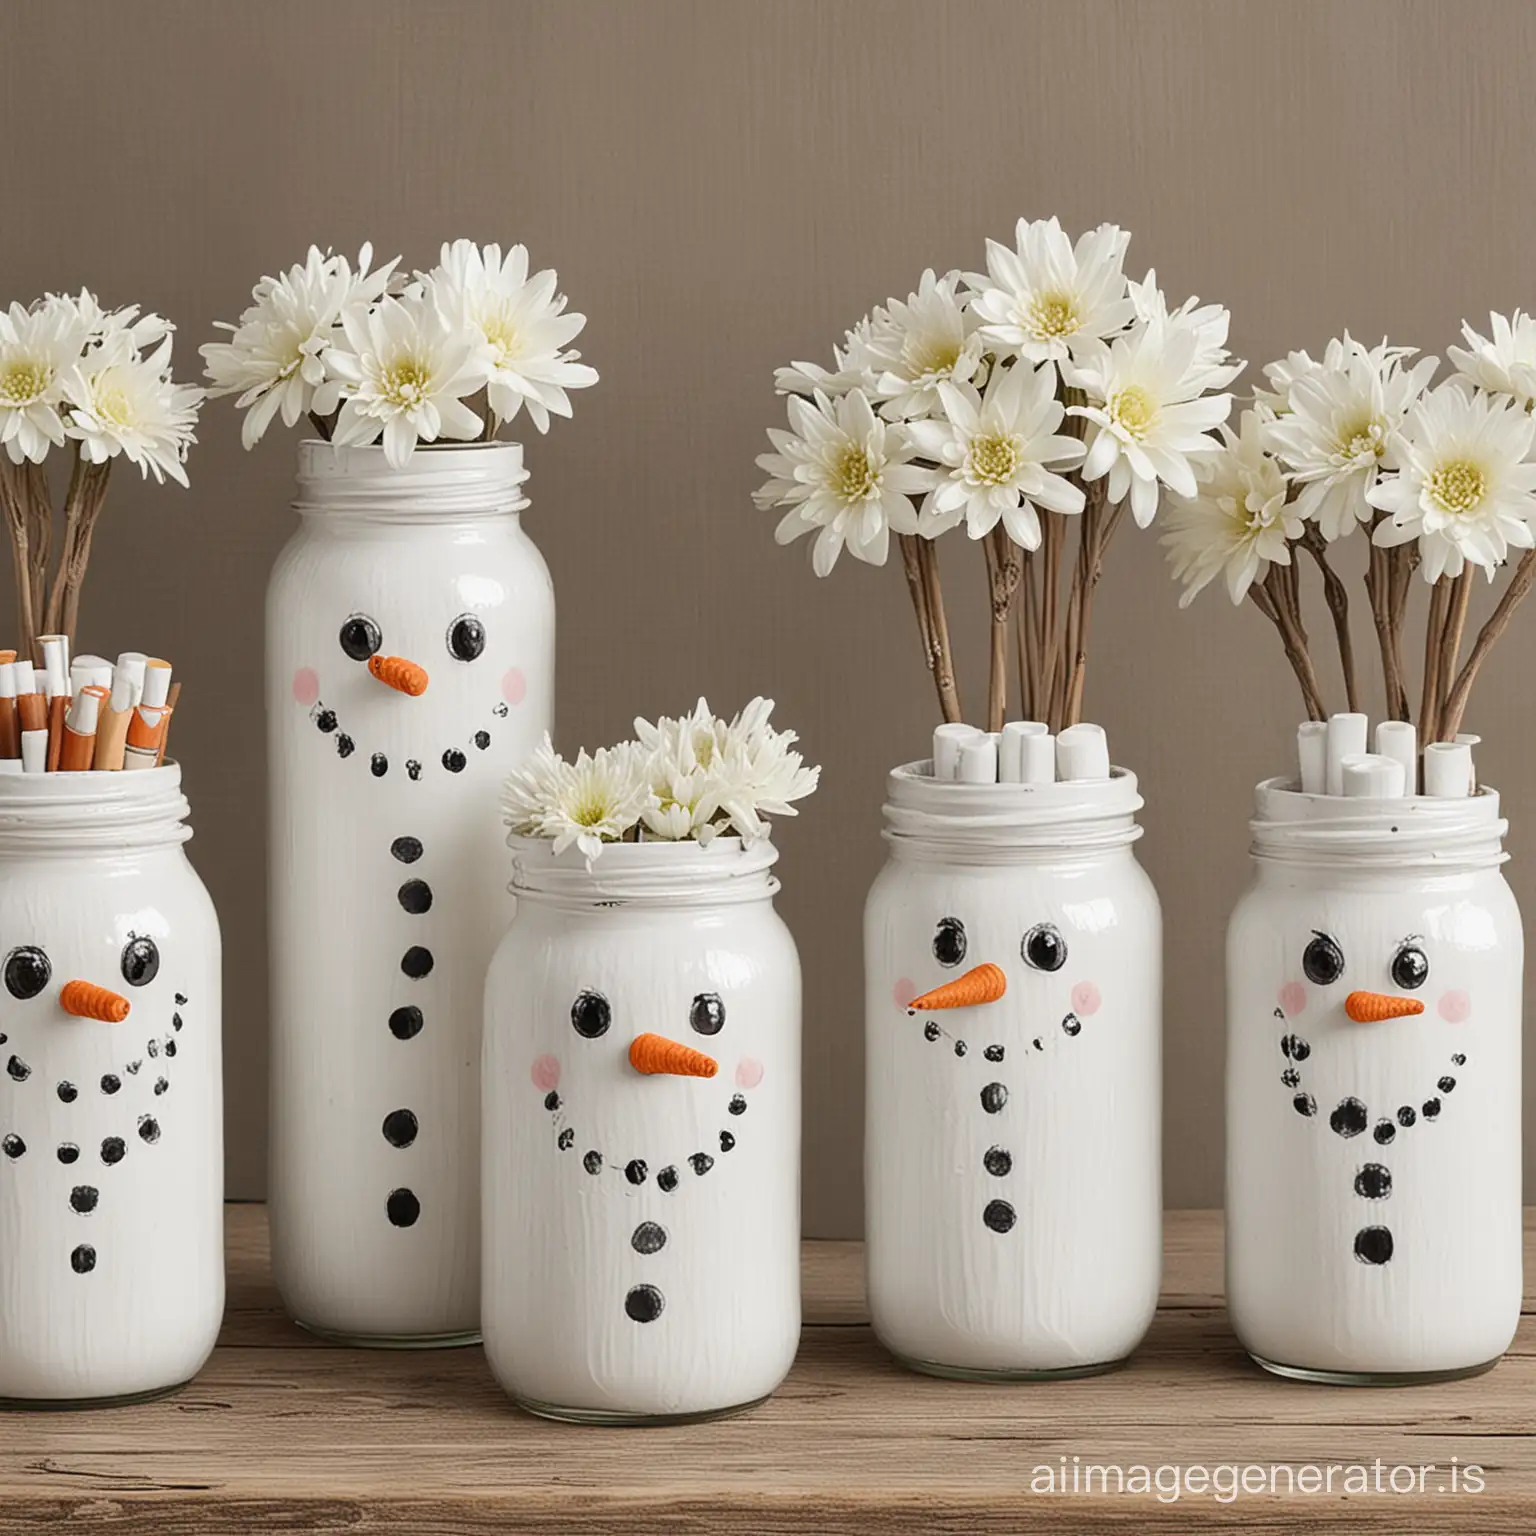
[(1373, 1089), (410, 662), (111, 1108), (642, 1134), (1013, 965)]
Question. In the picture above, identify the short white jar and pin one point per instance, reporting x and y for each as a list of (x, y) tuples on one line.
[(642, 1229), (111, 1133), (1373, 1089), (1012, 1149)]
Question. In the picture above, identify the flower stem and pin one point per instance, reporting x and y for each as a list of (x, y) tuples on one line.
[(1378, 586), (940, 656), (82, 506), (1025, 634), (1338, 605), (1279, 604), (18, 517), (1434, 636), (1450, 646), (1487, 637), (1004, 568)]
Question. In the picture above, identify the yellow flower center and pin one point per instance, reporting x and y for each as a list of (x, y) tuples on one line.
[(853, 477), (111, 405), (1133, 410), (929, 355), (23, 381), (1457, 487), (1360, 438), (1053, 314), (503, 337), (993, 460), (405, 383)]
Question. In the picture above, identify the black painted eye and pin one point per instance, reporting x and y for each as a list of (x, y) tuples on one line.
[(1410, 967), (1044, 948), (707, 1014), (27, 971), (360, 637), (141, 962), (591, 1015), (949, 941), (466, 637), (1322, 960)]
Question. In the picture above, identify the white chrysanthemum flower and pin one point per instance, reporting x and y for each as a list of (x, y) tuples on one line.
[(1239, 523), (1047, 297), (1213, 366), (275, 357), (122, 403), (1504, 361), (1466, 486), (38, 347), (998, 451), (1343, 427), (523, 323), (853, 368), (1149, 419), (596, 799), (405, 372), (127, 325), (844, 472), (917, 345)]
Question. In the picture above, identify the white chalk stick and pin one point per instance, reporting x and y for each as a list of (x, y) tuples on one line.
[(1399, 740), (1468, 740), (55, 664), (1346, 738), (7, 680), (1010, 752), (978, 760), (1371, 776), (946, 748), (89, 671), (1312, 756), (34, 751), (132, 664), (1448, 770), (1038, 759), (1082, 752)]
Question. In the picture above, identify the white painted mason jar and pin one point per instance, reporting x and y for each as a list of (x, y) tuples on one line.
[(111, 1107), (1012, 1164), (410, 666), (1373, 1089), (642, 1134)]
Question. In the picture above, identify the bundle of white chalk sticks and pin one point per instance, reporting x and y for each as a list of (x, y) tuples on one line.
[(1023, 752), (1334, 761)]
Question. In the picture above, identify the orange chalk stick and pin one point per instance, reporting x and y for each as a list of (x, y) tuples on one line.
[(58, 707), (985, 984), (1373, 1007), (656, 1053), (86, 1000), (399, 673)]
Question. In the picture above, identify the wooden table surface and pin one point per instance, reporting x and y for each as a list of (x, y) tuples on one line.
[(284, 1433)]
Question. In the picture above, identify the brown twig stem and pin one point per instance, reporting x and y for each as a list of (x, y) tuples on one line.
[(1004, 568), (1487, 637), (942, 664), (1450, 645), (1378, 587), (1434, 636), (18, 518), (82, 506), (1337, 598), (1280, 603)]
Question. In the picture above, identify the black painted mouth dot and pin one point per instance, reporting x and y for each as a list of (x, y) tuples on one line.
[(930, 1030), (960, 1047), (1304, 1104), (402, 1207), (644, 1303), (68, 1093), (997, 1162), (1384, 1132), (999, 1216), (406, 1023), (635, 1170), (993, 1053), (149, 1129), (326, 720), (181, 1000), (83, 1198), (701, 1163), (132, 1069), (566, 1139), (1350, 1118), (111, 1082), (454, 760), (13, 1146), (345, 746), (1291, 1078), (378, 765), (593, 1162), (1458, 1060), (170, 1047), (1373, 1245), (649, 1237), (1431, 1109), (1036, 1043), (83, 1259), (68, 1153), (416, 962), (738, 1104), (113, 1150), (161, 1084), (993, 1097), (1373, 1182), (1406, 1116), (400, 1127), (153, 1048), (727, 1141), (666, 1180), (416, 897), (1072, 1024), (412, 768), (482, 739), (406, 849), (500, 711), (176, 1021), (552, 1100), (17, 1069), (1446, 1084)]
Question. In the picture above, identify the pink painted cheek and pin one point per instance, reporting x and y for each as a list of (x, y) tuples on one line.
[(1293, 998), (545, 1073), (1455, 1007), (514, 686), (306, 686), (1085, 999), (749, 1072), (903, 992)]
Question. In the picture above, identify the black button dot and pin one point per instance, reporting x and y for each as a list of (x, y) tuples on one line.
[(345, 746), (416, 962), (1300, 1050), (326, 720), (111, 1082), (1285, 1045), (701, 1163), (635, 1170), (993, 1053), (1373, 1182), (727, 1141), (113, 1150), (1446, 1084), (1373, 1245), (930, 1030), (1406, 1116), (378, 765), (454, 760), (993, 1097), (83, 1259), (405, 1023), (13, 1146), (649, 1237), (1431, 1109), (482, 739), (566, 1139), (960, 1047), (592, 1162), (17, 1069), (1350, 1118), (68, 1153), (644, 1303), (406, 849), (1304, 1104), (83, 1198), (738, 1104), (997, 1162), (149, 1129), (68, 1093), (1384, 1131), (400, 1127), (412, 769), (402, 1208), (161, 1084), (416, 897), (666, 1180), (999, 1215)]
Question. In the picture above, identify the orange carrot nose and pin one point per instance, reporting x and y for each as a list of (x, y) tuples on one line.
[(1373, 1007), (86, 1000), (399, 673), (655, 1053), (983, 984)]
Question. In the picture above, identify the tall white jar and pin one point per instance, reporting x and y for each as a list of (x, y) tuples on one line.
[(642, 1253), (111, 1133), (1373, 1168), (410, 662), (1012, 1148)]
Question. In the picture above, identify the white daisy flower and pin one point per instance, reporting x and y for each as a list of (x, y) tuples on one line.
[(1046, 297), (853, 368), (998, 451), (38, 347), (523, 323), (1504, 361), (1343, 427), (1213, 367), (1466, 486), (275, 357), (1149, 419), (122, 403), (917, 345), (404, 371), (1239, 523), (596, 799), (844, 472)]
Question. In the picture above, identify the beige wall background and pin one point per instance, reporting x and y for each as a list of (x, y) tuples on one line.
[(724, 186)]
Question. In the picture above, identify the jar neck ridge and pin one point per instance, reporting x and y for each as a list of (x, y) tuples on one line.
[(73, 814), (656, 875), (439, 483)]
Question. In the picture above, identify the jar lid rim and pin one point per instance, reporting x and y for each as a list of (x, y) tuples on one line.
[(659, 872)]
